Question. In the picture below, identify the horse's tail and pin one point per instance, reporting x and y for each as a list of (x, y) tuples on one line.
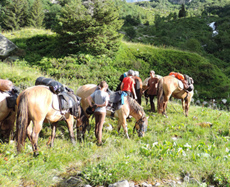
[(160, 96), (22, 121), (138, 89)]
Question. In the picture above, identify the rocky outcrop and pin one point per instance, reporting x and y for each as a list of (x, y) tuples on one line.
[(9, 52), (6, 47)]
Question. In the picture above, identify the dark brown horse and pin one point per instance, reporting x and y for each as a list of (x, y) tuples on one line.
[(38, 104), (130, 107), (169, 86), (7, 117)]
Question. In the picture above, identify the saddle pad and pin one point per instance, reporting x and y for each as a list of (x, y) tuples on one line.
[(55, 102), (3, 95), (180, 84), (115, 97)]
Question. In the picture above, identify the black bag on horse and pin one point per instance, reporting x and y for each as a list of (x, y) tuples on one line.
[(55, 86)]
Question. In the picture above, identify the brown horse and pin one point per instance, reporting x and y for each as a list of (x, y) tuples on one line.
[(7, 117), (138, 88), (38, 104), (130, 107), (169, 86)]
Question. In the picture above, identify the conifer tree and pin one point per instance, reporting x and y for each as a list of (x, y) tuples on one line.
[(16, 12), (36, 15), (91, 25), (182, 12)]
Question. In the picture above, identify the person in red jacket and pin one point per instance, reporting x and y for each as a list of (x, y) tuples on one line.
[(127, 85)]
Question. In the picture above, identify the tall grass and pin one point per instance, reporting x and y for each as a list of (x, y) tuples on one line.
[(173, 148)]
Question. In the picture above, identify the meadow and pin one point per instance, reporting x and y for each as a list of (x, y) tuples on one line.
[(175, 150)]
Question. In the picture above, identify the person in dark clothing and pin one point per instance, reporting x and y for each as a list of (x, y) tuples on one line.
[(152, 89)]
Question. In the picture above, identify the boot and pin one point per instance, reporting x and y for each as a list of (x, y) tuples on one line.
[(153, 108)]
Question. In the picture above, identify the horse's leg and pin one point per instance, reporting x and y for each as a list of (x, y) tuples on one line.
[(183, 105), (70, 122), (53, 133), (166, 98), (30, 130), (34, 136), (186, 107), (122, 122)]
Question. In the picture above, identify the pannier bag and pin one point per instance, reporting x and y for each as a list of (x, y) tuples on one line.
[(5, 85), (177, 75), (55, 86)]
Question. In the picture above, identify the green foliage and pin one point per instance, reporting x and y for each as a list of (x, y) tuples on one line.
[(15, 14), (44, 52), (36, 15), (90, 28), (193, 45)]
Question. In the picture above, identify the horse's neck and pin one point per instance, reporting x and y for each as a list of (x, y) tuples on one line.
[(136, 114)]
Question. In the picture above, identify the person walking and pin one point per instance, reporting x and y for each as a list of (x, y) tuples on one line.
[(101, 99), (127, 85), (152, 89)]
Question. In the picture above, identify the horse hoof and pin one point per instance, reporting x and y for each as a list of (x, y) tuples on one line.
[(36, 154), (165, 115)]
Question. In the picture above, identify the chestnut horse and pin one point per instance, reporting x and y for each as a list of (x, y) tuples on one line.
[(38, 104), (169, 86), (7, 117), (130, 107)]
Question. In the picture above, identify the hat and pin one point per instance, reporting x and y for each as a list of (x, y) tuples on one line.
[(130, 72)]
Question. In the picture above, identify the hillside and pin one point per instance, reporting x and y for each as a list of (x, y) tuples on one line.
[(79, 69)]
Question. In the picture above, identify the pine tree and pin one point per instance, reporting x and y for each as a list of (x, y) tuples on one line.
[(91, 25), (16, 12), (182, 12), (36, 15)]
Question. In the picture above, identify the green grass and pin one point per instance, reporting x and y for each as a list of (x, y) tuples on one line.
[(172, 148)]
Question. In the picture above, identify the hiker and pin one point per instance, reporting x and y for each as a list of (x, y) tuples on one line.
[(127, 85), (100, 98), (152, 89)]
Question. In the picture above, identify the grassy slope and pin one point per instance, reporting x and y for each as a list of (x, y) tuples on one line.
[(172, 148)]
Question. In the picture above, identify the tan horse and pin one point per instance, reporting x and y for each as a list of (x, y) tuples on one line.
[(38, 104), (7, 117), (169, 86), (130, 107)]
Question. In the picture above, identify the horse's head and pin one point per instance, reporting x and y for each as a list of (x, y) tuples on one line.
[(141, 126)]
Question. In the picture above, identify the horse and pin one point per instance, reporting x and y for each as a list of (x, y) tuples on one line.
[(169, 86), (130, 107), (137, 86), (38, 104), (7, 117)]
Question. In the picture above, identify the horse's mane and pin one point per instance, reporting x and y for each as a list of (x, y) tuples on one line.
[(135, 105)]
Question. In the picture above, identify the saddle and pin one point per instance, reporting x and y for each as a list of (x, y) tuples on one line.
[(116, 101), (12, 97), (66, 101)]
